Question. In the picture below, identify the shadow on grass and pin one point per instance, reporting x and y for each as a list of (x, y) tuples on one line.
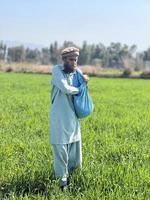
[(23, 185), (43, 183)]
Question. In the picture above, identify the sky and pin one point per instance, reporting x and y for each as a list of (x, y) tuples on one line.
[(94, 21)]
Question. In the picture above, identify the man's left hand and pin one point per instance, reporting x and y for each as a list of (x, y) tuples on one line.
[(86, 77)]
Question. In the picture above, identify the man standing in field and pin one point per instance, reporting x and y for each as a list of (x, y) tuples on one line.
[(65, 135)]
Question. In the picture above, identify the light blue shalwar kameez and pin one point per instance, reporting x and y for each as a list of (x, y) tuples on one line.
[(65, 135)]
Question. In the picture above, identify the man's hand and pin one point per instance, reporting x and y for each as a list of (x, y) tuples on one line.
[(86, 77)]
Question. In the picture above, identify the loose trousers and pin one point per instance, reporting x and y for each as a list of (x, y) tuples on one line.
[(67, 157)]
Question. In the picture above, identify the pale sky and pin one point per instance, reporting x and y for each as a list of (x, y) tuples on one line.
[(105, 21)]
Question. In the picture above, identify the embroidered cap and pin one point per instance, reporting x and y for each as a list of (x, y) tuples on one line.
[(70, 51)]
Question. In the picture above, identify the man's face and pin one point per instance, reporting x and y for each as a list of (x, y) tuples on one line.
[(71, 62)]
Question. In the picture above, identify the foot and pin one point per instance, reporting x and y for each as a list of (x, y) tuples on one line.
[(63, 185)]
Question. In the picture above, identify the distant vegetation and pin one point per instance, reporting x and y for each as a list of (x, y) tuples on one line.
[(115, 56)]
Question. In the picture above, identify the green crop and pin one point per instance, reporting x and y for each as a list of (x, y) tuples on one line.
[(115, 141)]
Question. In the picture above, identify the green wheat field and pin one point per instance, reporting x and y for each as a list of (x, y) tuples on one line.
[(115, 141)]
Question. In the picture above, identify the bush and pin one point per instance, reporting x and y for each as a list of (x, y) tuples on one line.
[(8, 69), (145, 74), (127, 72)]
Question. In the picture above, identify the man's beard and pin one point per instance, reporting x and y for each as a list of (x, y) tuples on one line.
[(69, 68)]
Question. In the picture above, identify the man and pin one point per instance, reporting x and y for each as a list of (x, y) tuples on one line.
[(65, 135)]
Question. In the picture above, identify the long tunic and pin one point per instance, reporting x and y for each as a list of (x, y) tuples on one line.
[(64, 124)]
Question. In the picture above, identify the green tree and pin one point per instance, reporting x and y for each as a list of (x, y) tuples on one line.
[(16, 54), (84, 57), (54, 53), (3, 49), (146, 55), (32, 55), (45, 56)]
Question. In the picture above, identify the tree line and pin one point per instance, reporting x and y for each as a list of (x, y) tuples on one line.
[(116, 55)]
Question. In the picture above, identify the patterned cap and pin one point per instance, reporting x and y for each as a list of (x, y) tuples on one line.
[(70, 51)]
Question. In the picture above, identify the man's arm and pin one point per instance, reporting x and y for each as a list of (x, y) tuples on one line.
[(59, 81)]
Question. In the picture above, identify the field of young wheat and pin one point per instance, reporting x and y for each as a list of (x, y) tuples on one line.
[(115, 141)]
